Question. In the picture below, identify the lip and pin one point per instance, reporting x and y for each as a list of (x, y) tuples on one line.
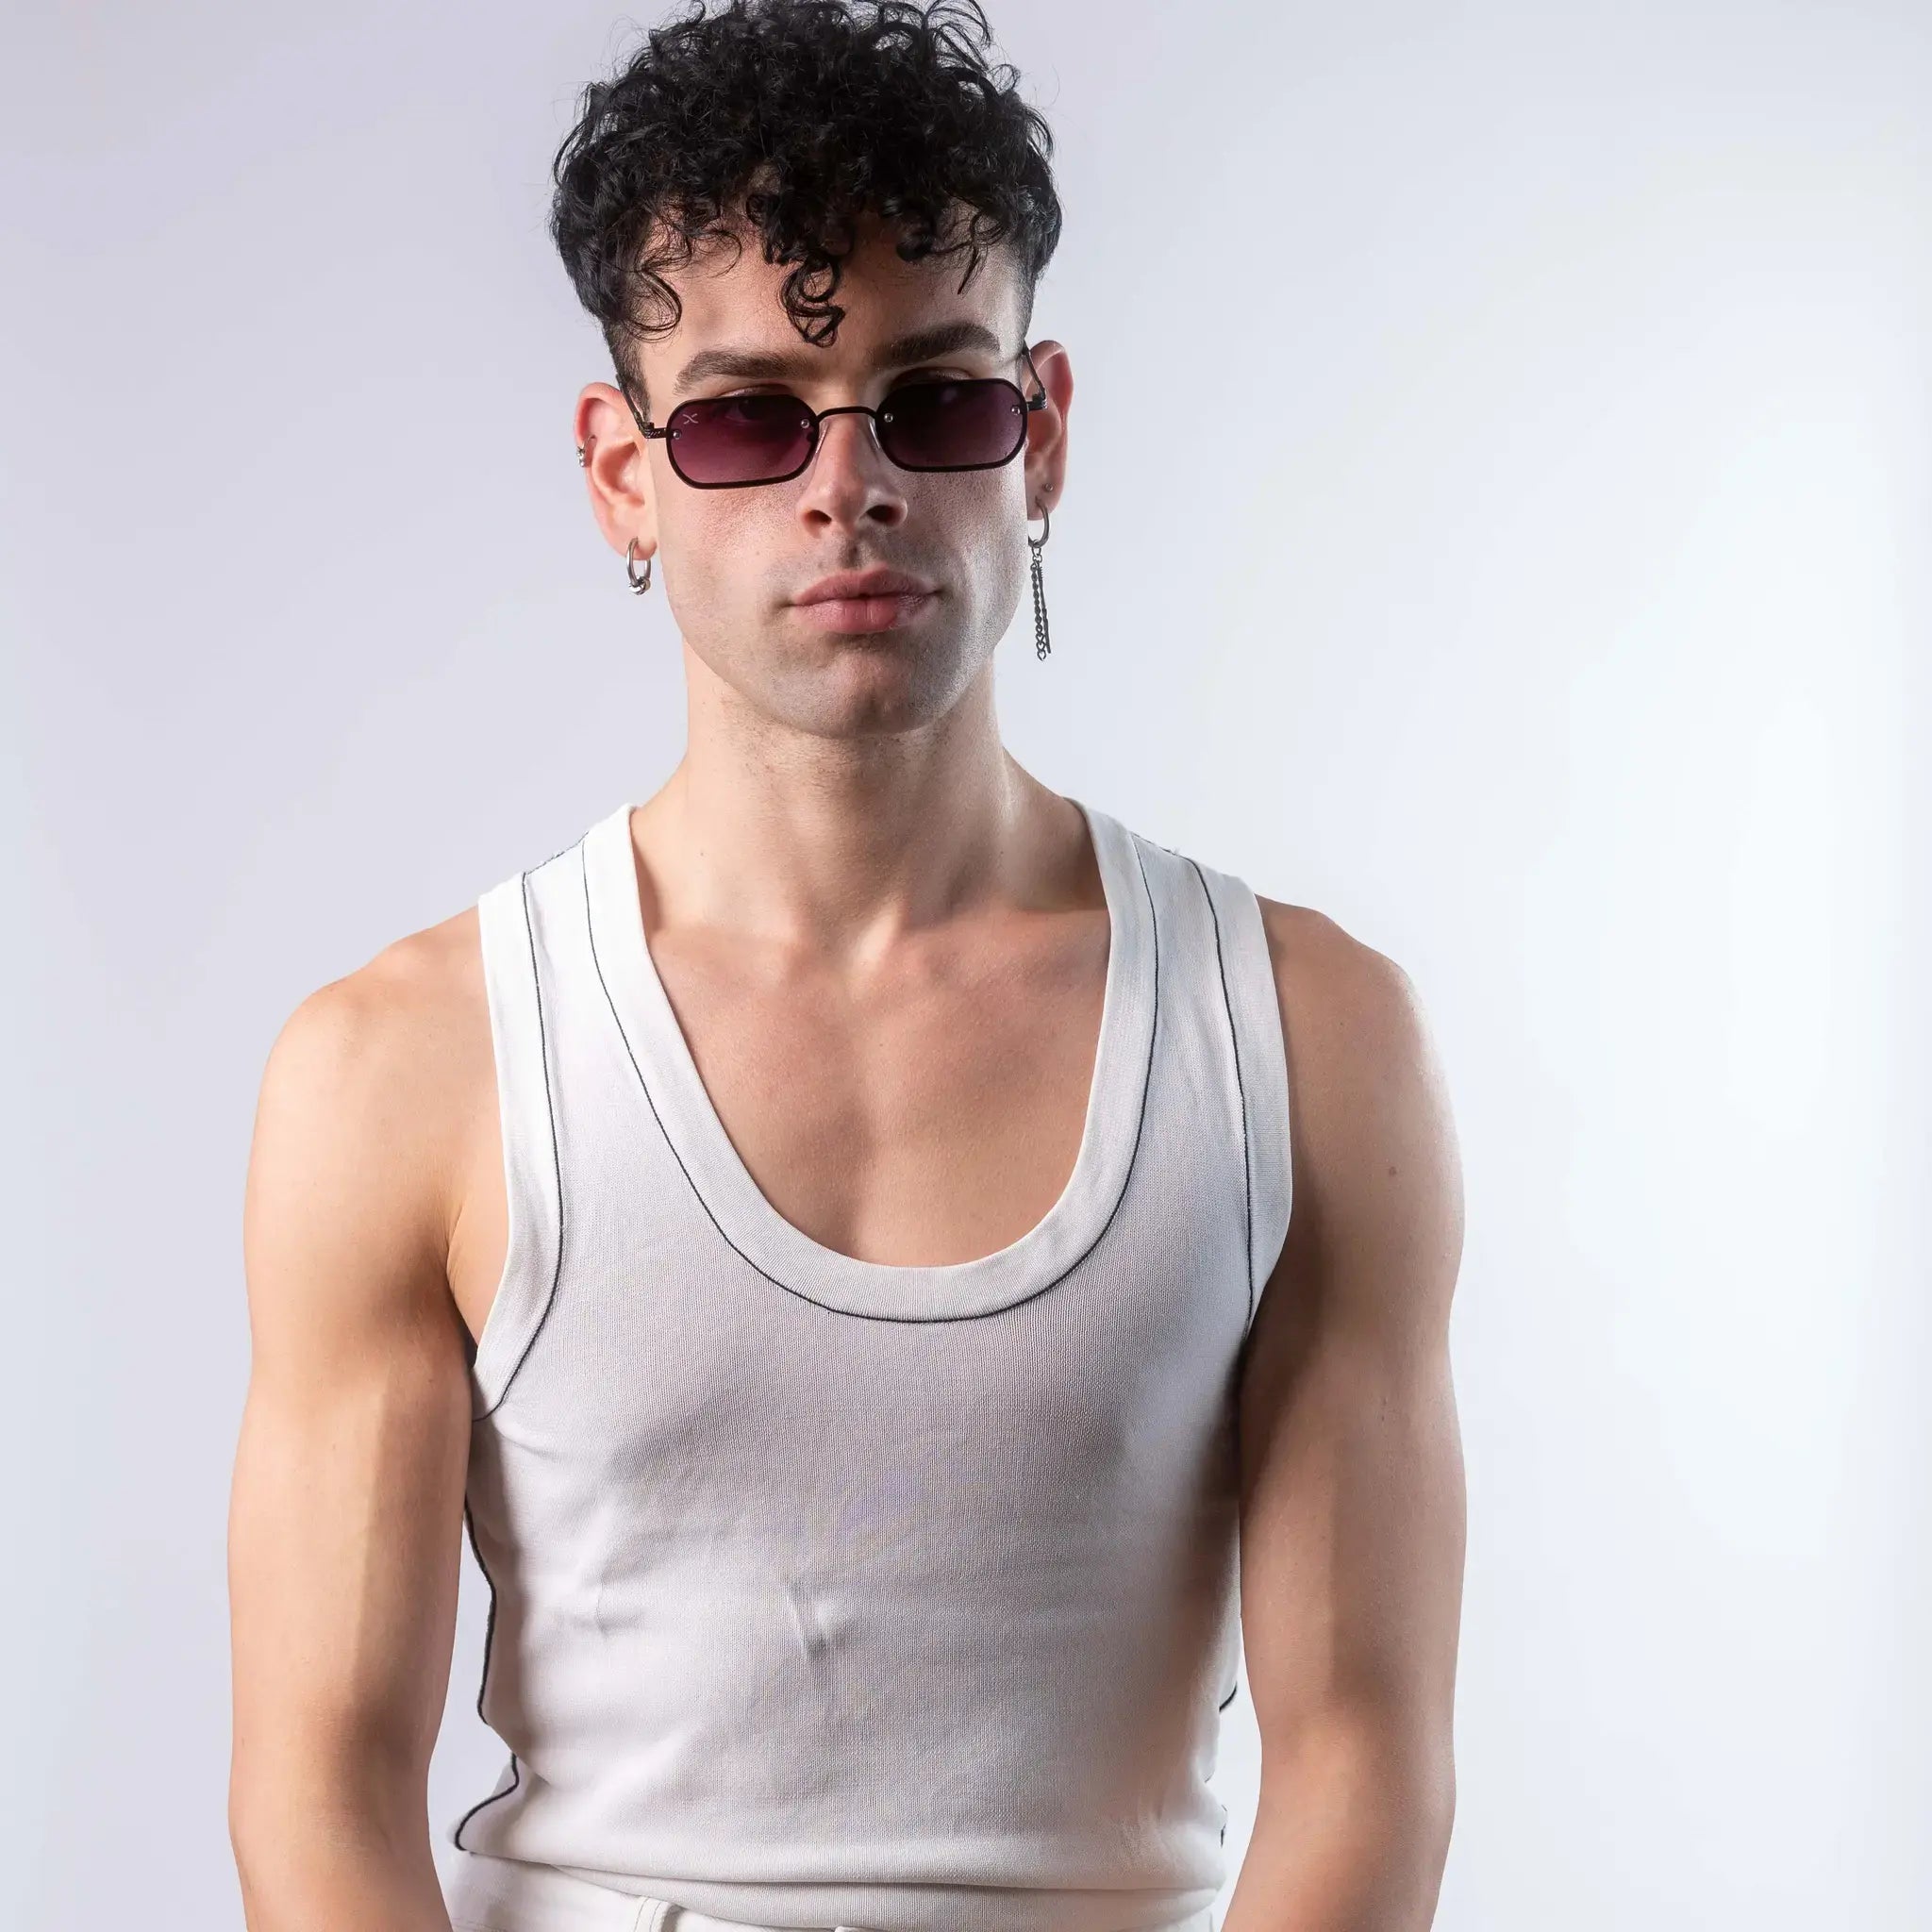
[(863, 584), (866, 613)]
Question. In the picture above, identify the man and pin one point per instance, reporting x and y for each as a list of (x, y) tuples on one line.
[(861, 1240)]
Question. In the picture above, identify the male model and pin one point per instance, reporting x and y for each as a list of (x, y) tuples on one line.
[(901, 1277)]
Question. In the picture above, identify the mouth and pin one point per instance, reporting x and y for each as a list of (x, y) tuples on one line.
[(882, 611)]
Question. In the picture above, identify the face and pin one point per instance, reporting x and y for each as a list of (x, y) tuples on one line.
[(734, 563)]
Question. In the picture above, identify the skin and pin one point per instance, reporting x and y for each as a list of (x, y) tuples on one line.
[(885, 943), (1352, 1479)]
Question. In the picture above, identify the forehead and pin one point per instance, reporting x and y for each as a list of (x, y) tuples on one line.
[(896, 312)]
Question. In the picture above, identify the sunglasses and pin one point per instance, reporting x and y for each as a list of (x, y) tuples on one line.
[(725, 442)]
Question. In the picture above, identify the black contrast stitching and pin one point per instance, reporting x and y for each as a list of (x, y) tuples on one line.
[(556, 1158), (468, 1521), (1241, 1090), (862, 1314), (516, 1770)]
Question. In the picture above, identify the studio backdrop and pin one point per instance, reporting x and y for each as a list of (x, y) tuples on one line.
[(1496, 515)]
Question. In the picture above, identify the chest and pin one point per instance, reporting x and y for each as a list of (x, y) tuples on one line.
[(929, 1112), (926, 1114)]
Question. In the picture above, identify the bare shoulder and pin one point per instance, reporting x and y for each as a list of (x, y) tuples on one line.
[(1327, 975), (1376, 1184), (408, 993), (371, 1102), (397, 1041)]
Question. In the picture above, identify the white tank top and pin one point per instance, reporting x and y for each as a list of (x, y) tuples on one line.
[(833, 1591)]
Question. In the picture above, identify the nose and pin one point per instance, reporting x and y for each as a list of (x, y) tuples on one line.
[(851, 478)]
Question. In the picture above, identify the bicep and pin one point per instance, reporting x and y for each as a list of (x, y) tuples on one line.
[(345, 1512), (1352, 1513)]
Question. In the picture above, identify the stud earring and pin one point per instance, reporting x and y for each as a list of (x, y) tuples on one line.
[(1040, 646), (639, 584)]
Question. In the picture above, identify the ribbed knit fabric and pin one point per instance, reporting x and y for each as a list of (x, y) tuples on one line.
[(827, 1592)]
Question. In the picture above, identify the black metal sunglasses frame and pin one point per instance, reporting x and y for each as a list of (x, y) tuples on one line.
[(818, 416)]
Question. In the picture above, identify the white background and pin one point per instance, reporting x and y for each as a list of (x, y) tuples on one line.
[(1497, 516)]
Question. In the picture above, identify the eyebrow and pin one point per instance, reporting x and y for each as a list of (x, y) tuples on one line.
[(921, 345)]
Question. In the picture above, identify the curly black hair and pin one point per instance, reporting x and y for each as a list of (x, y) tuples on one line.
[(789, 118)]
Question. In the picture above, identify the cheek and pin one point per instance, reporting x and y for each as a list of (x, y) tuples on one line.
[(975, 528), (722, 545)]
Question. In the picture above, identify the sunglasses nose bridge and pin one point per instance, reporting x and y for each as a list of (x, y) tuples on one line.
[(864, 410)]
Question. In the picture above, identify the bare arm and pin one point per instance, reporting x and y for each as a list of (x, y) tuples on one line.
[(345, 1516), (1352, 1510)]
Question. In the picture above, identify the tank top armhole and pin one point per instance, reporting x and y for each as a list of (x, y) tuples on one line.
[(1262, 1070), (526, 1119)]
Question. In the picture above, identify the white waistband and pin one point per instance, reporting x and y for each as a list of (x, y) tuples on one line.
[(491, 1894)]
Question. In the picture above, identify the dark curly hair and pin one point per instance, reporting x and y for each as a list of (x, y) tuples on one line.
[(789, 118)]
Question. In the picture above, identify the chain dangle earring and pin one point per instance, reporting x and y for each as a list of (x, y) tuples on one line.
[(1040, 646), (639, 584)]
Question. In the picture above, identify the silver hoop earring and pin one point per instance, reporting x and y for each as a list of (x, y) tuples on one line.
[(1040, 646), (639, 584)]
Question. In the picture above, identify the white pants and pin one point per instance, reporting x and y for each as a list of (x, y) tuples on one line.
[(510, 1895)]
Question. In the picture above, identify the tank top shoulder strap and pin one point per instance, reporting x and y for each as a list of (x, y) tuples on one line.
[(1260, 1065), (1239, 958), (516, 923)]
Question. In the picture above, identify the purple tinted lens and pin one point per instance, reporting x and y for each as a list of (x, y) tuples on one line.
[(739, 439), (953, 426)]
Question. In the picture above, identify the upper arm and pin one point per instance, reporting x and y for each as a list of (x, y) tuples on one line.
[(345, 1516), (1352, 1485)]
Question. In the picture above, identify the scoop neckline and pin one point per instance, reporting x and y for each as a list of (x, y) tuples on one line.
[(785, 1254)]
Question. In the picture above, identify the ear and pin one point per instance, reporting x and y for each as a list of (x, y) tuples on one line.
[(617, 469), (1047, 426)]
